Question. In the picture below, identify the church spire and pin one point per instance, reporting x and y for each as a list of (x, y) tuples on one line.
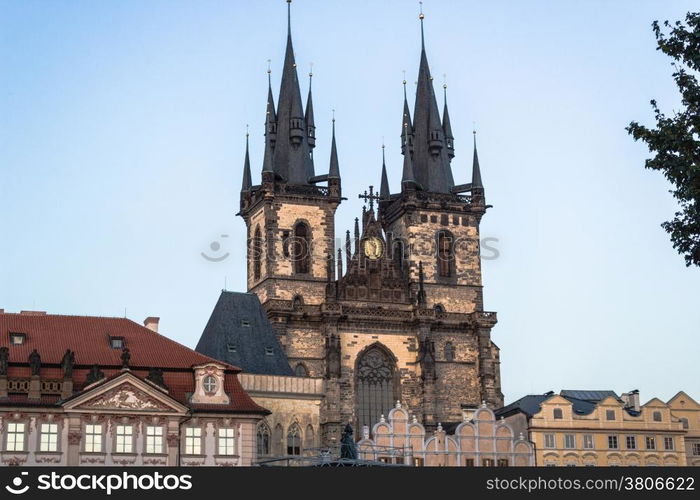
[(406, 124), (270, 125), (334, 169), (447, 127), (292, 159), (247, 183), (384, 186), (309, 116), (408, 179), (430, 158), (476, 171)]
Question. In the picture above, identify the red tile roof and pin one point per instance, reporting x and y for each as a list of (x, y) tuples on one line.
[(88, 337)]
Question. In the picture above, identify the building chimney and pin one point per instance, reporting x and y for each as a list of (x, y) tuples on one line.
[(151, 323), (631, 400)]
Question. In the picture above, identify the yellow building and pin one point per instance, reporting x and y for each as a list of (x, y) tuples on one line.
[(687, 410), (598, 428)]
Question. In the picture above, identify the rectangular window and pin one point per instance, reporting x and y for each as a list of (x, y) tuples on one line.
[(417, 462), (48, 439), (668, 443), (193, 441), (610, 414), (612, 442), (503, 462), (657, 416), (588, 441), (487, 462), (550, 441), (569, 441), (631, 442), (696, 449), (116, 342), (469, 462), (154, 439), (15, 436), (651, 443), (226, 442), (93, 438), (125, 443)]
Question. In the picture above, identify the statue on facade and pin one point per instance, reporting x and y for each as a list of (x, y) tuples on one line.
[(94, 375), (333, 356), (126, 357), (426, 357), (4, 360), (67, 363), (348, 448), (155, 375), (35, 362)]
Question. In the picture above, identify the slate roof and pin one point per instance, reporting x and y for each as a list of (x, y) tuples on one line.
[(530, 405), (239, 333), (593, 396)]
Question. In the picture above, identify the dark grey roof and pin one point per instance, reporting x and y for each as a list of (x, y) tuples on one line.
[(239, 333), (529, 405), (476, 170), (593, 396)]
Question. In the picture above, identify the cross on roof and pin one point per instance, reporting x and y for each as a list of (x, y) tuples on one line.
[(371, 196)]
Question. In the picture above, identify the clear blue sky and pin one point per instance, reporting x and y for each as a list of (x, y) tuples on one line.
[(122, 130)]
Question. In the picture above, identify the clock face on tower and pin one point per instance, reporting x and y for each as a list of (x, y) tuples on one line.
[(373, 247)]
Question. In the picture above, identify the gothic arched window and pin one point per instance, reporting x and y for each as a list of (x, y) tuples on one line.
[(445, 254), (309, 437), (375, 386), (263, 439), (300, 370), (449, 351), (294, 440), (301, 252), (277, 446), (257, 250)]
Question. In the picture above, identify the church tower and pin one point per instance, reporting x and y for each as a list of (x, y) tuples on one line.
[(397, 314), (290, 216)]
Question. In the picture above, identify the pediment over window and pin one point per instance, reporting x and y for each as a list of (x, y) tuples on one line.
[(125, 393)]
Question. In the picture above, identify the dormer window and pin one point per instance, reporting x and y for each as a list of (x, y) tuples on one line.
[(231, 347), (269, 351), (17, 338), (209, 384), (116, 342), (245, 323)]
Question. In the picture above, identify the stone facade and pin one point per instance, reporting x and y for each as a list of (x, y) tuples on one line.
[(687, 411)]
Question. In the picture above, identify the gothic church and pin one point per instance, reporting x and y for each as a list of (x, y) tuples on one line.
[(395, 315)]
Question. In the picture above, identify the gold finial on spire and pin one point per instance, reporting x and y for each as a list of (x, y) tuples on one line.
[(246, 131), (404, 77), (421, 16), (269, 66), (474, 128), (333, 110), (311, 69), (444, 80)]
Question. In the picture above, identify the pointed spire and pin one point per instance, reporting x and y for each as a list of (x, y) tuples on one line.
[(446, 126), (476, 170), (357, 235), (292, 158), (348, 249), (334, 170), (384, 186), (270, 125), (340, 264), (430, 156), (406, 124), (309, 115), (408, 179), (247, 183)]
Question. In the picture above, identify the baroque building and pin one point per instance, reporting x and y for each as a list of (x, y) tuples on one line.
[(81, 390), (598, 428), (397, 314)]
